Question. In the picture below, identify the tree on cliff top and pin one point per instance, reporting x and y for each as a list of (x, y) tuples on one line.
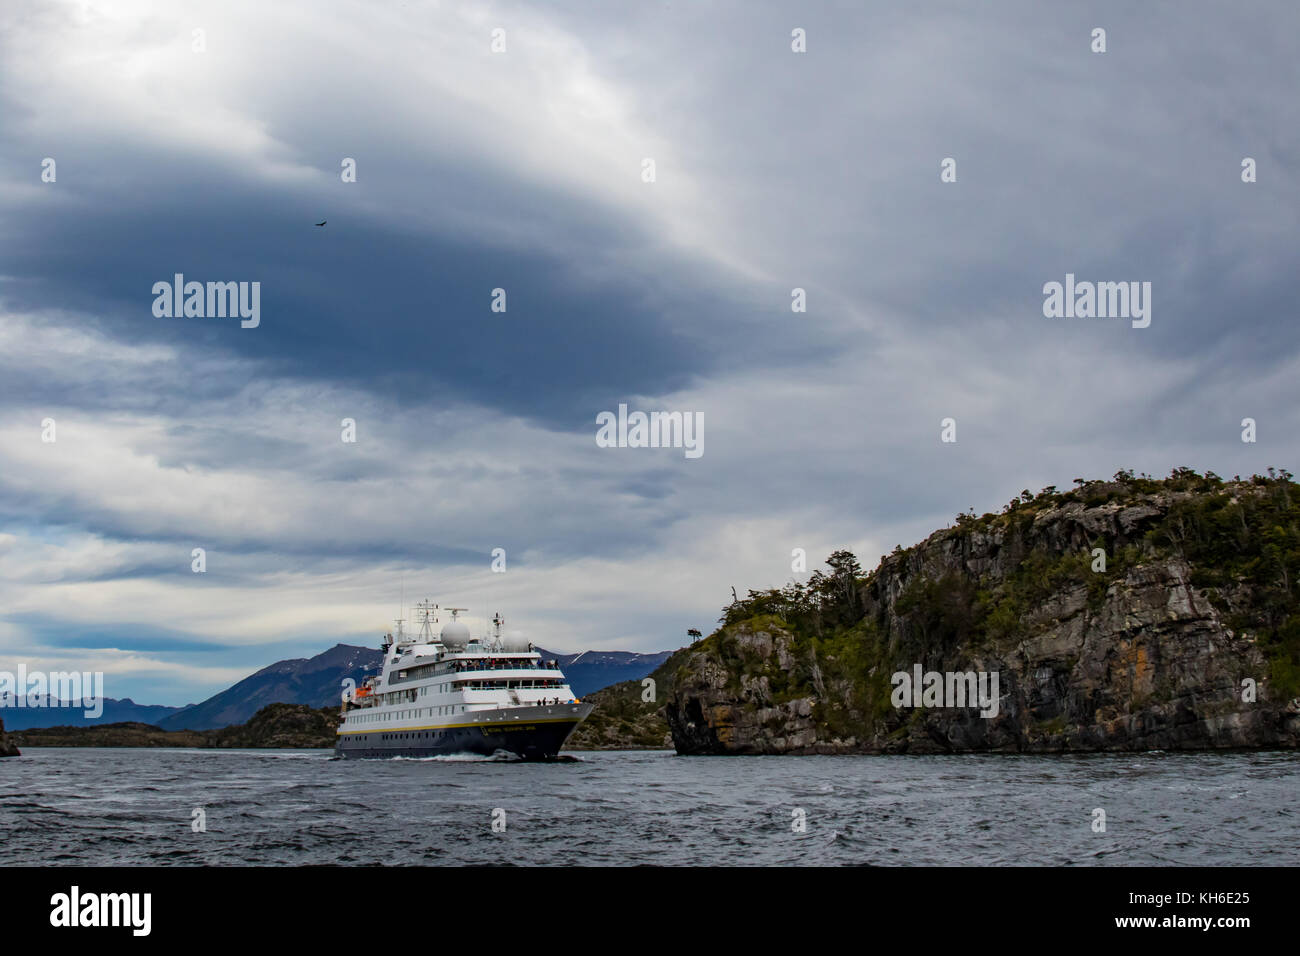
[(826, 601)]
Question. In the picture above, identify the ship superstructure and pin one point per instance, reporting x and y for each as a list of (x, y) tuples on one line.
[(445, 691)]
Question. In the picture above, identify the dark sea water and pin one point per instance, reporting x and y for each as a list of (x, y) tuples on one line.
[(114, 807)]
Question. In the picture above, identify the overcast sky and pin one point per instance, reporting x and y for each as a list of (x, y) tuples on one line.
[(523, 170)]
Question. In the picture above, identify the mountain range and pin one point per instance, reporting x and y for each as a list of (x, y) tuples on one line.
[(73, 714), (314, 681)]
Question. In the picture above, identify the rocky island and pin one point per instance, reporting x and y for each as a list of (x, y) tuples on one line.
[(7, 747), (292, 726), (1131, 614)]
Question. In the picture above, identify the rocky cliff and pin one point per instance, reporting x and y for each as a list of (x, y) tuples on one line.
[(7, 747), (1134, 614)]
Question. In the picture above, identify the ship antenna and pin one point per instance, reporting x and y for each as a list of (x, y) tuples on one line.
[(427, 619)]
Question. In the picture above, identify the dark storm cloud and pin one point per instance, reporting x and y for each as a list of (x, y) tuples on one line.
[(776, 170)]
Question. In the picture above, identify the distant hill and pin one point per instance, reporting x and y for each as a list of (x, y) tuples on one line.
[(623, 720), (314, 681), (71, 714), (294, 726)]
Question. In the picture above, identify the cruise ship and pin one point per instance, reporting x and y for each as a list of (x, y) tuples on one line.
[(451, 693)]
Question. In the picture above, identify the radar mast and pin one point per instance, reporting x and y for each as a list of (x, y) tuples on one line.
[(428, 618)]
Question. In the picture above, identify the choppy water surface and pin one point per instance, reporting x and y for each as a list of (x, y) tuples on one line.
[(111, 807)]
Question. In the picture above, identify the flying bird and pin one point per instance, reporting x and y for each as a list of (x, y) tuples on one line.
[(322, 223)]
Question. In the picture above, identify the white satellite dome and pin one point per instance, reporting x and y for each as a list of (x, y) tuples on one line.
[(455, 633)]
